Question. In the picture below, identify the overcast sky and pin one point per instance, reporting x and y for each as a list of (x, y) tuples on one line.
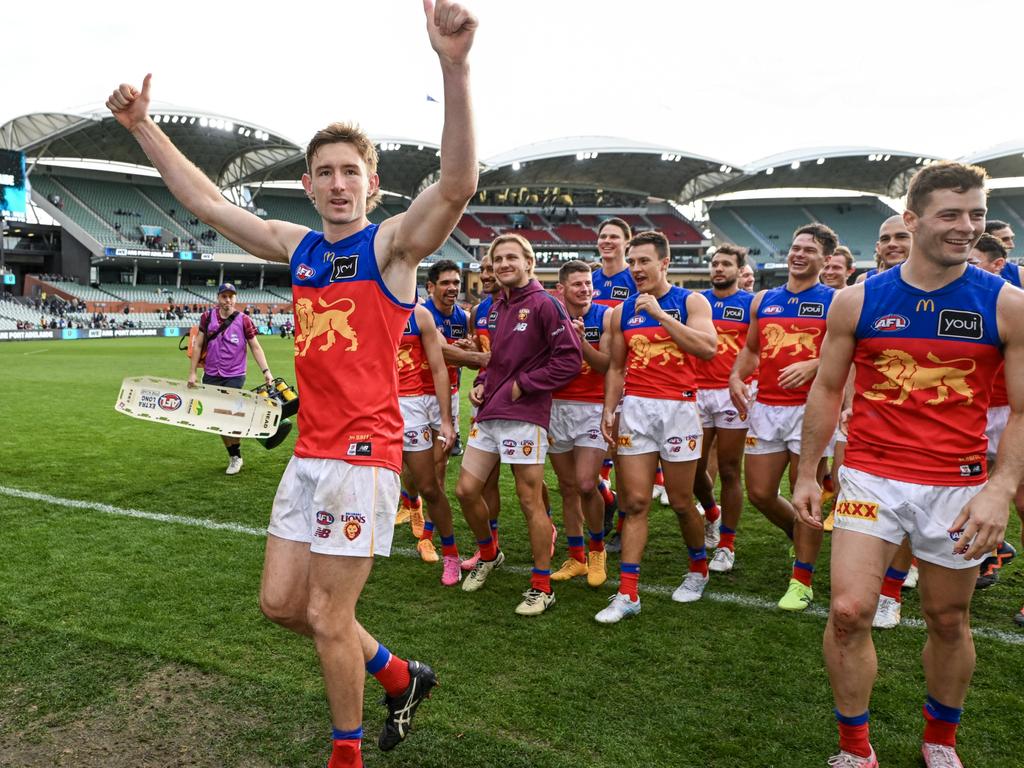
[(735, 80)]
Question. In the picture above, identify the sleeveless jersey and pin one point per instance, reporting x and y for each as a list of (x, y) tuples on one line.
[(791, 327), (347, 327), (588, 386), (414, 376), (655, 366), (731, 317), (453, 327), (871, 272), (1000, 397), (1011, 274), (483, 333), (924, 365), (612, 291)]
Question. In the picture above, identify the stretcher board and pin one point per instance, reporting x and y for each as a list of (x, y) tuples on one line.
[(204, 407)]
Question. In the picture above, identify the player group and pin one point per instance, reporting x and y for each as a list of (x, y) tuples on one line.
[(668, 386)]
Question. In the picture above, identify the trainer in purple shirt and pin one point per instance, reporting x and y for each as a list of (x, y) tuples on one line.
[(225, 333), (534, 352)]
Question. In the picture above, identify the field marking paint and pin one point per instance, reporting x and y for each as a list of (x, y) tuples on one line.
[(745, 601), (36, 351)]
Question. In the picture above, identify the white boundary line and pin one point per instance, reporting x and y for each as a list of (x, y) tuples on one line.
[(746, 601)]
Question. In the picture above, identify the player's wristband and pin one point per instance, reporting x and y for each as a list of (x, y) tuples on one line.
[(265, 370)]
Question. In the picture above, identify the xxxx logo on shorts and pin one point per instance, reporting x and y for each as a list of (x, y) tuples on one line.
[(863, 510), (625, 441)]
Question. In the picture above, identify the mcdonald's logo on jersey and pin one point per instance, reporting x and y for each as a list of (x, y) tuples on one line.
[(925, 305), (793, 300)]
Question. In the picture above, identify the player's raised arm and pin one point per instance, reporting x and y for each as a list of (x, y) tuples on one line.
[(422, 229), (271, 240)]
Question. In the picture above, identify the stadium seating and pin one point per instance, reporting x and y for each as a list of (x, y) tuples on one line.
[(83, 292), (473, 229), (856, 225), (576, 234), (162, 198), (85, 217), (676, 230)]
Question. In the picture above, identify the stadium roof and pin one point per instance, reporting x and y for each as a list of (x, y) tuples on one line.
[(227, 150), (864, 169), (1001, 161), (610, 163)]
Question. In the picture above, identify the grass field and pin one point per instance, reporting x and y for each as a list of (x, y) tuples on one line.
[(136, 641)]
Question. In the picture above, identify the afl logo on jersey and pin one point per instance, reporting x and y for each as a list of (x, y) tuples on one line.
[(344, 267), (890, 323), (811, 309), (305, 272), (635, 320), (732, 313), (774, 309)]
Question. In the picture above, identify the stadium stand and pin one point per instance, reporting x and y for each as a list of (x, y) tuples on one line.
[(767, 227), (474, 230), (676, 230), (1008, 206)]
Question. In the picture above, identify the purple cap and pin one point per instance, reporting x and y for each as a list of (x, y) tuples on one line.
[(226, 288)]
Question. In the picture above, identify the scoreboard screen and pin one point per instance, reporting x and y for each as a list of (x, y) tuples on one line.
[(12, 181)]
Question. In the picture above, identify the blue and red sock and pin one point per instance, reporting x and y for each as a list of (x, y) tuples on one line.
[(390, 671), (576, 549), (853, 734), (448, 548), (698, 560), (940, 722), (347, 749), (629, 580), (428, 530), (596, 543), (803, 572), (540, 578)]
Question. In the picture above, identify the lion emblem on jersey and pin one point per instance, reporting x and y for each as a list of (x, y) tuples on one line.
[(313, 324), (404, 359), (662, 349), (778, 338), (904, 373), (727, 342)]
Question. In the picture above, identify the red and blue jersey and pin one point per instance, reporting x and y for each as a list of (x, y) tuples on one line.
[(1000, 397), (655, 365), (924, 363), (483, 333), (453, 327), (414, 375), (614, 289), (731, 318), (790, 327), (588, 386), (347, 328)]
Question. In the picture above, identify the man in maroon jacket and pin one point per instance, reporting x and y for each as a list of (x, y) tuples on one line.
[(535, 352)]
